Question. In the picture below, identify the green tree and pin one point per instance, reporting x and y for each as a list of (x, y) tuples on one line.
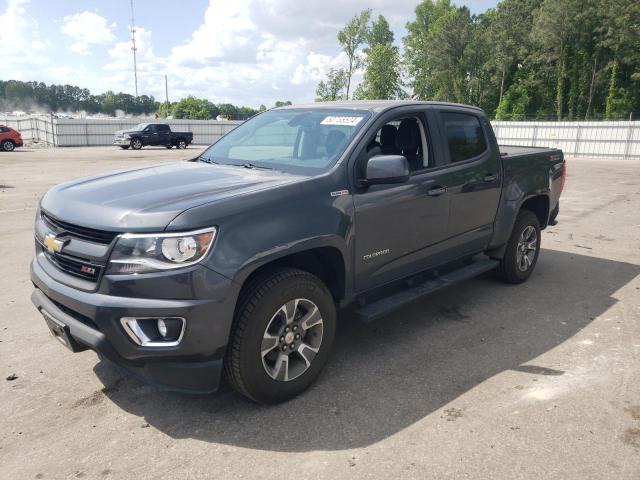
[(109, 103), (333, 87), (351, 39), (280, 103), (380, 33), (419, 47), (195, 109), (382, 79)]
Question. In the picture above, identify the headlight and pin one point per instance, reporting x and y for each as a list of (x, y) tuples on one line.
[(141, 253)]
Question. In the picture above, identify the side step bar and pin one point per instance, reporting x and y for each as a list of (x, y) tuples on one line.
[(375, 310)]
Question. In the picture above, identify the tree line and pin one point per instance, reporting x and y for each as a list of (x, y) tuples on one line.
[(569, 59), (39, 97)]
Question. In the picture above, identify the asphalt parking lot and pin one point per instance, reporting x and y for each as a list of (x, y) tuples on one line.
[(484, 380)]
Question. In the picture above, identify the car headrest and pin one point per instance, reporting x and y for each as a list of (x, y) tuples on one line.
[(334, 141), (388, 136), (408, 137)]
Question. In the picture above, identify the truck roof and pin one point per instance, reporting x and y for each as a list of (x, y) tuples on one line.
[(374, 105)]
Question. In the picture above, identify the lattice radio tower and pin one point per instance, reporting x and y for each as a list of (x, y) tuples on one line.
[(134, 48)]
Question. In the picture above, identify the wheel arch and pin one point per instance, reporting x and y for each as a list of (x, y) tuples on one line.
[(325, 262), (538, 204)]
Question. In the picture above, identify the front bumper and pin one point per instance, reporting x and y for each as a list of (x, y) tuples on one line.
[(122, 141), (93, 321)]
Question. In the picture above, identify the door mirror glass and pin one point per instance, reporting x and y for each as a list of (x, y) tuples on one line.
[(385, 169)]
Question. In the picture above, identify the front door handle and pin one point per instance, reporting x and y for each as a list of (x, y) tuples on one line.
[(490, 177), (436, 191)]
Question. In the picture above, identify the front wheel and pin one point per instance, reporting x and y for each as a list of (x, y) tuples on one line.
[(7, 146), (281, 337), (136, 143), (124, 147), (522, 250)]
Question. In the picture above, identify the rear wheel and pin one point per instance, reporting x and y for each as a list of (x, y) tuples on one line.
[(182, 144), (7, 146), (522, 250), (281, 337), (136, 143)]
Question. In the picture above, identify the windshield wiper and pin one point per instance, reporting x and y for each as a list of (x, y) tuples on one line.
[(206, 160), (250, 165)]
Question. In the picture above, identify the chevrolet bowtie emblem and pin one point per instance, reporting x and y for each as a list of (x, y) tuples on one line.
[(53, 244)]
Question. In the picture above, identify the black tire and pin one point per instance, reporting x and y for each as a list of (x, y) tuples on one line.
[(168, 147), (181, 144), (511, 266), (7, 146), (136, 143), (260, 305), (554, 215), (124, 147)]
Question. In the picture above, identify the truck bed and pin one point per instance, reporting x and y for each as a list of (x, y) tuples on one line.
[(516, 150)]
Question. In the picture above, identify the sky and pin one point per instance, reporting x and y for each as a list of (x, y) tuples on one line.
[(245, 52)]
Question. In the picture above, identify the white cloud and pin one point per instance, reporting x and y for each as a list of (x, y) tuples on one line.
[(87, 29), (23, 47), (257, 51), (243, 52)]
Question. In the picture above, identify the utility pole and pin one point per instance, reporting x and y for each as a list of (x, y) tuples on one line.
[(133, 47), (166, 90)]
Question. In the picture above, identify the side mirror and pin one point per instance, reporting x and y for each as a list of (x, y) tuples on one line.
[(386, 169)]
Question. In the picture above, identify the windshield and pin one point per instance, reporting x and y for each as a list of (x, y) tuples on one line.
[(141, 126), (305, 141)]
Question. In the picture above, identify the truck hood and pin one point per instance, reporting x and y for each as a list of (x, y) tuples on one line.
[(148, 198), (130, 130)]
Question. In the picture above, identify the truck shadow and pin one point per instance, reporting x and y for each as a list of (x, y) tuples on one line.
[(384, 377)]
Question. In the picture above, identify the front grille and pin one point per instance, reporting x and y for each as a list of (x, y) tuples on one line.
[(83, 233), (76, 267)]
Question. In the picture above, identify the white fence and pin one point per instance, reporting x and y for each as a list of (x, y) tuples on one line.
[(77, 132), (577, 139)]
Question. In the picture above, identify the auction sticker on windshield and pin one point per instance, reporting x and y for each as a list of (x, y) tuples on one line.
[(344, 121)]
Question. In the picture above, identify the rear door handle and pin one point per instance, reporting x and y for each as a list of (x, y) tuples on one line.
[(490, 177), (436, 191)]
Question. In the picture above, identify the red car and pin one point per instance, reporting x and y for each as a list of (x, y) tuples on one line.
[(9, 139)]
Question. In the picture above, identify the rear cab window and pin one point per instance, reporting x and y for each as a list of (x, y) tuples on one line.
[(465, 135)]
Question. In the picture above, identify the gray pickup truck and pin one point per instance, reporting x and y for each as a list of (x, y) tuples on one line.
[(233, 264)]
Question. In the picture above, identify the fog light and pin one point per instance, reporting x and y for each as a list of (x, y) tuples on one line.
[(154, 332), (169, 328)]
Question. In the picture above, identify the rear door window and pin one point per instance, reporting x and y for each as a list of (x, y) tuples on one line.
[(465, 135)]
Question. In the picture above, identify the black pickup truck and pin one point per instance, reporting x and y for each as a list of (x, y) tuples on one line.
[(152, 134), (233, 264)]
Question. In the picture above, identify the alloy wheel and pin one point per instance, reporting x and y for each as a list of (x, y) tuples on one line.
[(292, 339), (526, 250)]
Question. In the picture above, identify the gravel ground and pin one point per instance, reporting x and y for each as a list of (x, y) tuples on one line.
[(483, 380)]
